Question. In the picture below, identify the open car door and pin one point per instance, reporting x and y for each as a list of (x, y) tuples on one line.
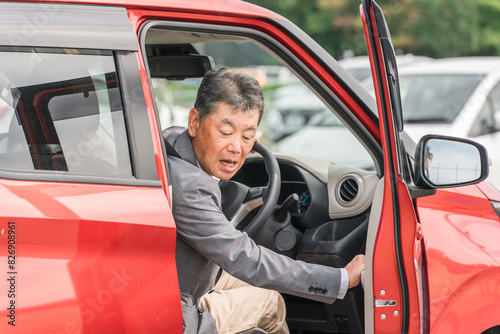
[(392, 298)]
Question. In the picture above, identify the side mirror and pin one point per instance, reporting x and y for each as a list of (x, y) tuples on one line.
[(442, 162)]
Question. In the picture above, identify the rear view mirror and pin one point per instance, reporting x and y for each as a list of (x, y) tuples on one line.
[(442, 162), (180, 66)]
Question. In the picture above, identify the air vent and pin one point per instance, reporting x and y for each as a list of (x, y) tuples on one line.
[(348, 190)]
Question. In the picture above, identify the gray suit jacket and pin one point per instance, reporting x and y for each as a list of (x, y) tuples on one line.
[(207, 241)]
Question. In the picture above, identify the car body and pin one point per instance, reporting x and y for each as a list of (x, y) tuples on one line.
[(87, 233)]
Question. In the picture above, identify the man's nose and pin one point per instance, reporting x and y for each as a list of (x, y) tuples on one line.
[(234, 146)]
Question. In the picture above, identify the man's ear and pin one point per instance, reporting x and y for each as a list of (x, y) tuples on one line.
[(193, 122)]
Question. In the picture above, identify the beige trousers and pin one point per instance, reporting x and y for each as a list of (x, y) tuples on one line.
[(237, 306)]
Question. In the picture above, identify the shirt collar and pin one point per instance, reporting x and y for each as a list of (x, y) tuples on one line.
[(214, 177)]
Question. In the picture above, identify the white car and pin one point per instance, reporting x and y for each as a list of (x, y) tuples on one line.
[(293, 108), (457, 97), (338, 145)]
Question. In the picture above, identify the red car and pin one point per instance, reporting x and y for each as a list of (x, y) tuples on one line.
[(87, 237)]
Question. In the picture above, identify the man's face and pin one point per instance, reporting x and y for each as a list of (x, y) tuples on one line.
[(223, 139)]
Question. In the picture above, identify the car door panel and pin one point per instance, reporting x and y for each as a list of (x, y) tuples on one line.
[(110, 243), (394, 252), (88, 248)]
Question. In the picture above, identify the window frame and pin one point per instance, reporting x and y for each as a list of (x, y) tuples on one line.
[(137, 130), (90, 27), (294, 64)]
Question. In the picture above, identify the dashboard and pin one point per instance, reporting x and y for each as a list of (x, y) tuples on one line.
[(325, 191)]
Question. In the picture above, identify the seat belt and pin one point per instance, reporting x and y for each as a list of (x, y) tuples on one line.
[(172, 153)]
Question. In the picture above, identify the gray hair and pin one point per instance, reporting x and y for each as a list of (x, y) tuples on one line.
[(236, 89)]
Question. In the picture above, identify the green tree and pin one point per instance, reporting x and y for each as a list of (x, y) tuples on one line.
[(436, 28), (489, 27), (320, 19)]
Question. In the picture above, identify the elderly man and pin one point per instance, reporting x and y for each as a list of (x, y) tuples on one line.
[(222, 129)]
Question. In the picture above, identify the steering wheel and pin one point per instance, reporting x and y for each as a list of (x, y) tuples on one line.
[(238, 200)]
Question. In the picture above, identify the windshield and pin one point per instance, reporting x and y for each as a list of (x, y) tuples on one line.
[(435, 98)]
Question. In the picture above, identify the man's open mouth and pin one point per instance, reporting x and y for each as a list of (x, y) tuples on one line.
[(228, 163)]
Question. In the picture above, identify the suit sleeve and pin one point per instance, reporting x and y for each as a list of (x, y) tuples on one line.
[(202, 225)]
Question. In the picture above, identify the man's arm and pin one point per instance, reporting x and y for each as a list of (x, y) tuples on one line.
[(202, 225)]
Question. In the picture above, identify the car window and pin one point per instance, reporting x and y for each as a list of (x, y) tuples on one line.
[(61, 110), (487, 121), (295, 120)]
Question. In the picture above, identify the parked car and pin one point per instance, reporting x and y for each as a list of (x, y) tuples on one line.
[(451, 96), (294, 105), (87, 235), (338, 145), (293, 108), (456, 97)]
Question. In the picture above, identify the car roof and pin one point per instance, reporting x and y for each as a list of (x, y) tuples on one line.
[(231, 7), (456, 65)]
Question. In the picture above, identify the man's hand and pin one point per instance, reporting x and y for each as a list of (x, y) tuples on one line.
[(258, 134), (354, 269)]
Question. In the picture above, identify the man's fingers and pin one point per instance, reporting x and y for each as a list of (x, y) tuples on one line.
[(257, 137), (354, 270)]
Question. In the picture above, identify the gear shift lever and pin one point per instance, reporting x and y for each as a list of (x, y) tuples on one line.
[(282, 210)]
